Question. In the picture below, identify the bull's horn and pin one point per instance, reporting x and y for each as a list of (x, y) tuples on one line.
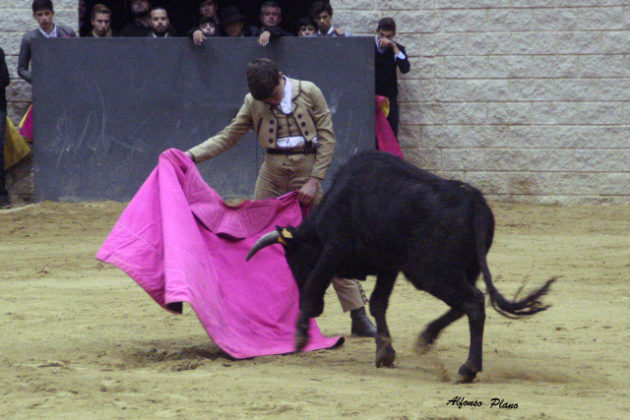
[(267, 239)]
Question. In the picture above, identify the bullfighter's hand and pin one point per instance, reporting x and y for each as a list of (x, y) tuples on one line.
[(198, 37), (308, 191), (263, 39)]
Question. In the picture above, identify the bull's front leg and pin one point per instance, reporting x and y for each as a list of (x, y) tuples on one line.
[(312, 298), (385, 353)]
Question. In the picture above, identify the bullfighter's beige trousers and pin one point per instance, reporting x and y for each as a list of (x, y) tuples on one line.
[(281, 174)]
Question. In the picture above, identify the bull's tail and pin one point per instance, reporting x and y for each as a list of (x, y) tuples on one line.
[(484, 230)]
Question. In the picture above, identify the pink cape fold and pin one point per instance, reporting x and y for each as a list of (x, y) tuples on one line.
[(386, 141), (180, 242), (26, 125)]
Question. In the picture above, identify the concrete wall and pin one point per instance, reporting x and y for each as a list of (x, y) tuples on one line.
[(527, 99)]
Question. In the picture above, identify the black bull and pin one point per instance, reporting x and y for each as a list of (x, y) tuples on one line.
[(383, 216)]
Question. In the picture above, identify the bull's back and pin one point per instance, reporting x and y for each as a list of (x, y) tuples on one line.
[(385, 207)]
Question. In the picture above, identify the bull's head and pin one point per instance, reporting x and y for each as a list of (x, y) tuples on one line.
[(301, 250)]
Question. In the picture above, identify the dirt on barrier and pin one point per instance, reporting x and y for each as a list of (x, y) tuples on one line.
[(79, 339)]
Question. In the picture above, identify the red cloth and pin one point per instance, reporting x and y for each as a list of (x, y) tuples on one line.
[(180, 242), (26, 125), (385, 138)]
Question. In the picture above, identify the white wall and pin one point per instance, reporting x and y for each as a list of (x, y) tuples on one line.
[(527, 99)]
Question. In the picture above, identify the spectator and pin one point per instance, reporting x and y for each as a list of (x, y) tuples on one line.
[(141, 25), (117, 15), (389, 56), (158, 18), (82, 12), (208, 26), (294, 126), (322, 13), (4, 82), (234, 23), (306, 27), (207, 12), (44, 14), (101, 21), (270, 17), (208, 8)]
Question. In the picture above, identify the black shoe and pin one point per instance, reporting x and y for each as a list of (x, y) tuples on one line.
[(5, 203), (361, 324)]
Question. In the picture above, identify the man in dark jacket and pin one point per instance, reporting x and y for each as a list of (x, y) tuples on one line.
[(4, 82), (389, 56), (270, 17)]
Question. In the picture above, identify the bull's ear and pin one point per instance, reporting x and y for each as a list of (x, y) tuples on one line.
[(285, 236)]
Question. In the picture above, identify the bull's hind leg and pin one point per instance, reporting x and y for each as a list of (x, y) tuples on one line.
[(464, 298), (379, 300), (433, 330)]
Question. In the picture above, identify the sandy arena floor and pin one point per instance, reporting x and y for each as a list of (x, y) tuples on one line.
[(80, 340)]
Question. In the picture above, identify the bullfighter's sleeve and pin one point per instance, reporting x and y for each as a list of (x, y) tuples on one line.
[(227, 137), (325, 134)]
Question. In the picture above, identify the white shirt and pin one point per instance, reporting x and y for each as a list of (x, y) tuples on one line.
[(52, 34), (285, 107)]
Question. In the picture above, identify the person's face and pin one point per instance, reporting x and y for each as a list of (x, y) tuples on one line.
[(139, 7), (271, 16), (278, 93), (306, 30), (45, 19), (159, 21), (323, 21), (101, 23), (234, 29), (208, 9), (208, 29), (385, 34)]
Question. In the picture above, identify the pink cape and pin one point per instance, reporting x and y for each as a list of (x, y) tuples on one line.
[(386, 141), (181, 243)]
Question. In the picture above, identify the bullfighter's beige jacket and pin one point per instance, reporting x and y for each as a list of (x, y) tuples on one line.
[(310, 111)]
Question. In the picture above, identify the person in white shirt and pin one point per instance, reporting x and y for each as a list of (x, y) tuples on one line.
[(44, 14)]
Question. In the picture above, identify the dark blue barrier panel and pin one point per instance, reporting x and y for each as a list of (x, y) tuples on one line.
[(105, 109)]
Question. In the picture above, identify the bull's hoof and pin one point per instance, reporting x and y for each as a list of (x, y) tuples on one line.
[(385, 353), (423, 345), (385, 356), (466, 375)]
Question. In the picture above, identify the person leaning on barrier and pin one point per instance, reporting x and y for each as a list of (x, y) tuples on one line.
[(4, 82), (208, 14), (270, 19), (44, 14), (294, 126)]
